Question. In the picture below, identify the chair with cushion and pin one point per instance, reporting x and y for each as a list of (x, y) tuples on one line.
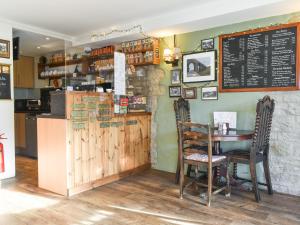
[(259, 150), (192, 138)]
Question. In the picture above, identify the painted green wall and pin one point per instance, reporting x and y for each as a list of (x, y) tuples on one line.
[(201, 111)]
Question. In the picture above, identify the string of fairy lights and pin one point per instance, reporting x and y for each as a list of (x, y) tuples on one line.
[(136, 28)]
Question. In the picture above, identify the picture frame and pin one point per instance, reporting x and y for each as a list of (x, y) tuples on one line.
[(175, 76), (174, 91), (209, 93), (4, 49), (207, 44), (189, 93), (199, 67), (5, 84)]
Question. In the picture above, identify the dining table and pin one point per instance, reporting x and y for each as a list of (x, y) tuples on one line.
[(229, 135), (219, 136)]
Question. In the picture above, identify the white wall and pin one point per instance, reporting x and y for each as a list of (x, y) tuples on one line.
[(7, 112)]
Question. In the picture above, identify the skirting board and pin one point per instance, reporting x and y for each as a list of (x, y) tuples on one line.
[(106, 180)]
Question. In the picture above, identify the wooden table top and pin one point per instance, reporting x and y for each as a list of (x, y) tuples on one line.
[(232, 135)]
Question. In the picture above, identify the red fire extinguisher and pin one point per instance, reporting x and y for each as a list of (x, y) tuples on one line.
[(2, 166)]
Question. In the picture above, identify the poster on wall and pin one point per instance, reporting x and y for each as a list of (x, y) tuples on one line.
[(5, 91), (119, 74), (199, 67)]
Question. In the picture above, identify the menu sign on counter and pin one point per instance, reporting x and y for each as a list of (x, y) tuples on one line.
[(119, 73), (264, 59), (5, 81)]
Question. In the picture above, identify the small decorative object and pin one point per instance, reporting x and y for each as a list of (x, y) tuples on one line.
[(175, 76), (207, 44), (199, 67), (174, 91), (4, 49), (209, 93), (189, 93)]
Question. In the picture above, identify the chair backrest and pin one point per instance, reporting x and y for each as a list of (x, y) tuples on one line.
[(182, 111), (264, 113), (193, 137)]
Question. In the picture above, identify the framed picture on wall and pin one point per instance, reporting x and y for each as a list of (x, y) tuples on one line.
[(174, 91), (209, 93), (5, 89), (4, 49), (207, 44), (189, 93), (199, 67), (175, 76)]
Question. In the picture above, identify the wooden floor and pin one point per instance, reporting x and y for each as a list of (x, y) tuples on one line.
[(148, 198)]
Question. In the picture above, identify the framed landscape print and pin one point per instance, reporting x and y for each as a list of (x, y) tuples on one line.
[(189, 93), (199, 67), (209, 93), (175, 91), (4, 49), (175, 76), (207, 44)]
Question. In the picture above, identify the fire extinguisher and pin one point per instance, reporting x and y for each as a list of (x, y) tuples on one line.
[(2, 166)]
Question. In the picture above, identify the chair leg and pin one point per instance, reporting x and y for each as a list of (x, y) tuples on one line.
[(189, 169), (181, 180), (209, 187), (234, 170), (254, 180), (228, 187), (267, 175), (177, 175)]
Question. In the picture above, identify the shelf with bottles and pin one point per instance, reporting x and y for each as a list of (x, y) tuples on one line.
[(142, 52)]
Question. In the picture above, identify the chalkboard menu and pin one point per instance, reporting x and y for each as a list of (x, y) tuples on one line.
[(265, 59), (5, 82)]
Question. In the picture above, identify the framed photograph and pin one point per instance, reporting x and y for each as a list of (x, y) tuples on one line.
[(175, 91), (175, 76), (4, 49), (209, 93), (189, 93), (207, 44), (199, 67)]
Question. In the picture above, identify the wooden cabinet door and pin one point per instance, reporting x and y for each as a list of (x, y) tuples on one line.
[(24, 72), (20, 130)]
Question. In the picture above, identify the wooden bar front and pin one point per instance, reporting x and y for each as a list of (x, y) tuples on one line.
[(98, 146)]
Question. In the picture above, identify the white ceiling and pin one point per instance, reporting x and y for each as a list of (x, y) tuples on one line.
[(77, 20), (75, 17), (29, 43)]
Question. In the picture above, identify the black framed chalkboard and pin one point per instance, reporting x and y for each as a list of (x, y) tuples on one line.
[(5, 90), (265, 59)]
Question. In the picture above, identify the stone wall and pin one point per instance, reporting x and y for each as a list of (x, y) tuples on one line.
[(285, 143)]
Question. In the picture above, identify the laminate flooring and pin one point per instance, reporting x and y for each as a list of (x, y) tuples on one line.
[(147, 198)]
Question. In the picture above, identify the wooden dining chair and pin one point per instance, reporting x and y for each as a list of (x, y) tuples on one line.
[(182, 113), (259, 150), (193, 137)]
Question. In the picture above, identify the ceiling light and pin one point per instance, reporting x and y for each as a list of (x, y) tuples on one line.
[(47, 38), (38, 47)]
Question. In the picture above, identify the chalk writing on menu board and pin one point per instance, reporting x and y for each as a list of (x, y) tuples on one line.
[(5, 82), (266, 59)]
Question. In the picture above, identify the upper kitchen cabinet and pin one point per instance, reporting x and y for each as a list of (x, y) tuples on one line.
[(24, 72)]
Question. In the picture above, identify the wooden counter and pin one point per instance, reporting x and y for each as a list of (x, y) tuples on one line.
[(92, 146)]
